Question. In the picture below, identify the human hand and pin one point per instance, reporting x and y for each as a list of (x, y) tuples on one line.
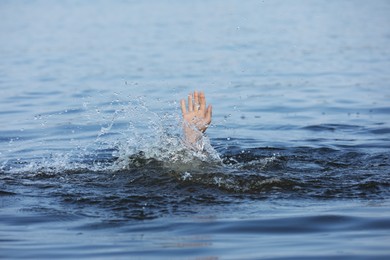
[(197, 117)]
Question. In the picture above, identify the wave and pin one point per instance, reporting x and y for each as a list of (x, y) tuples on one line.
[(265, 171)]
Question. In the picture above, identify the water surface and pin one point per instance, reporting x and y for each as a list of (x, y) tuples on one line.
[(92, 161)]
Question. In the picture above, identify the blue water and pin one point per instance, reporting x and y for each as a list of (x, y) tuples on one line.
[(92, 162)]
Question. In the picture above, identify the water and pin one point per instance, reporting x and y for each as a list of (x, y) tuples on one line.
[(92, 163)]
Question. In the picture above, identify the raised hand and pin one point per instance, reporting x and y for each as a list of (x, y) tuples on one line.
[(196, 117)]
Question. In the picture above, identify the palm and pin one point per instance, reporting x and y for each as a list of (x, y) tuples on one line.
[(198, 119), (197, 115)]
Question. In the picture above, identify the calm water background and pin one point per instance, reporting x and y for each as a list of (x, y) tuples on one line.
[(91, 159)]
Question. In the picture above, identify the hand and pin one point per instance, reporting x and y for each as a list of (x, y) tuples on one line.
[(196, 118)]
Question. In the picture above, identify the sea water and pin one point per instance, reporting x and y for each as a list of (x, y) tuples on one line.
[(92, 159)]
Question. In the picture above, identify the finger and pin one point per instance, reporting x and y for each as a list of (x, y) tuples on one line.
[(202, 101), (183, 107), (196, 101), (190, 106), (209, 114)]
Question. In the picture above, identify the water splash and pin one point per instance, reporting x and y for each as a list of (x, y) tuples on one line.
[(121, 135)]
